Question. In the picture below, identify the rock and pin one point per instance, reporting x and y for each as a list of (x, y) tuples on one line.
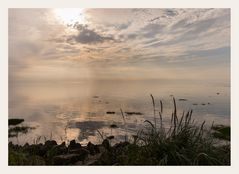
[(10, 144), (106, 143), (67, 159), (92, 160), (91, 148), (13, 146), (50, 143), (182, 99), (110, 112), (74, 145), (63, 144), (101, 148), (59, 150), (43, 150), (79, 163), (113, 126), (110, 137), (14, 121), (26, 145), (81, 151)]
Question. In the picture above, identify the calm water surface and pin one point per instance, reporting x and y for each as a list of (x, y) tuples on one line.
[(76, 110)]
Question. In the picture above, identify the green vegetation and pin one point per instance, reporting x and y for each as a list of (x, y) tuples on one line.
[(18, 157), (222, 132), (182, 143)]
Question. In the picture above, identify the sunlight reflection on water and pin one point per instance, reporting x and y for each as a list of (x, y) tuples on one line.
[(68, 111)]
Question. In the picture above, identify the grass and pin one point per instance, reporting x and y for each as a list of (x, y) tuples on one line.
[(183, 143), (16, 157)]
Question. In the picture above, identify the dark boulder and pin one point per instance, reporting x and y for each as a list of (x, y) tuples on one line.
[(93, 149), (74, 145), (58, 150), (106, 144), (80, 151), (50, 143), (67, 159)]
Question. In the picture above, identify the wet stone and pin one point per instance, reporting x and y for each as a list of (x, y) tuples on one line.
[(106, 144), (81, 151), (66, 159), (59, 149), (91, 148), (74, 145), (50, 143)]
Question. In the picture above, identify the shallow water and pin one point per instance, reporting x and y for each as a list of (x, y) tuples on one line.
[(76, 110)]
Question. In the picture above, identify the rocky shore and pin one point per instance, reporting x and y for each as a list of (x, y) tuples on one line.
[(51, 153)]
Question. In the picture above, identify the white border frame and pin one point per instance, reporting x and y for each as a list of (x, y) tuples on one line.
[(232, 4)]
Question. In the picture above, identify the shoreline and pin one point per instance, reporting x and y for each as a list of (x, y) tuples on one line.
[(123, 153), (185, 142)]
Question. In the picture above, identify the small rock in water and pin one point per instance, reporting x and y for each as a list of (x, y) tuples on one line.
[(182, 99), (110, 112), (113, 126), (15, 121), (203, 104), (218, 93), (110, 137), (133, 113)]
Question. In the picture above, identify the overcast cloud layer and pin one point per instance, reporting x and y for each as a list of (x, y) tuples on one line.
[(120, 43)]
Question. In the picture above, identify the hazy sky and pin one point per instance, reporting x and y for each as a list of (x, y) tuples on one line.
[(70, 44)]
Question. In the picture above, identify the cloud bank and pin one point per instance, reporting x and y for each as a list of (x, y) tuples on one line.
[(121, 43)]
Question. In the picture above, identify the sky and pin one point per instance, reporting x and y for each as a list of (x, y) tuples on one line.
[(75, 44)]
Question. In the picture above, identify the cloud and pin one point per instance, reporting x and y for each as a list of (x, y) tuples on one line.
[(222, 52), (145, 38), (88, 36), (151, 30), (123, 26)]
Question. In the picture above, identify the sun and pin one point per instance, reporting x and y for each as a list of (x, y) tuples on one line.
[(70, 15)]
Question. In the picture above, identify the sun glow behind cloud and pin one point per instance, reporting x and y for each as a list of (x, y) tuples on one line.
[(70, 15)]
